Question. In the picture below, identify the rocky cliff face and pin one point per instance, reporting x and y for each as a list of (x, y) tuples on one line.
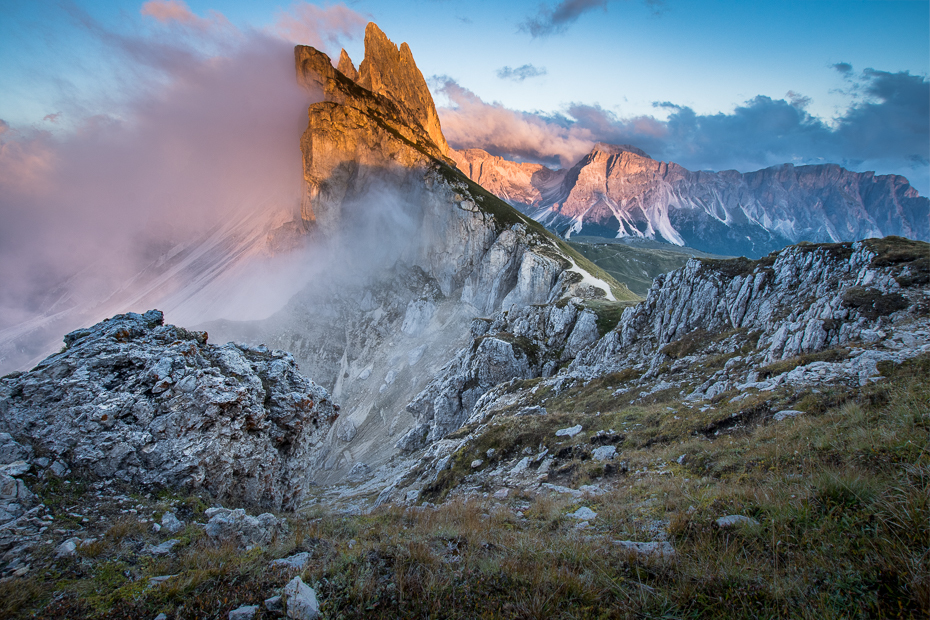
[(414, 250), (809, 317), (621, 191), (154, 405)]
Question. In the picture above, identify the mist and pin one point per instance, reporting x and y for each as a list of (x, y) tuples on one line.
[(203, 150)]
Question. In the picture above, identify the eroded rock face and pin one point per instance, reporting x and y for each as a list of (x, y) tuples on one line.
[(804, 299), (391, 72), (522, 343), (378, 124), (153, 404)]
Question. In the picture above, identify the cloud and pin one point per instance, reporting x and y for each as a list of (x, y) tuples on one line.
[(549, 21), (843, 67), (520, 73), (556, 20), (210, 127), (323, 28), (470, 122), (176, 11), (886, 129)]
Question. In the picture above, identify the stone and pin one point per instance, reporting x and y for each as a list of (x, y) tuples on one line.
[(501, 493), (16, 468), (171, 524), (731, 521), (161, 617), (534, 410), (360, 472), (604, 453), (59, 469), (160, 579), (414, 356), (244, 529), (68, 548), (246, 612), (295, 562), (569, 432), (662, 549), (164, 548), (521, 466), (275, 604), (583, 514), (12, 451), (785, 414), (475, 464), (109, 404), (300, 600)]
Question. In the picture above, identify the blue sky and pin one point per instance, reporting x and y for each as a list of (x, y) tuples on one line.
[(710, 83)]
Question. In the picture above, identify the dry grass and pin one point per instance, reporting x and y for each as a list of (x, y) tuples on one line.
[(841, 496)]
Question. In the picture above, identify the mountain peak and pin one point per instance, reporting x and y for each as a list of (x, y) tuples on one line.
[(616, 149), (346, 67), (391, 72)]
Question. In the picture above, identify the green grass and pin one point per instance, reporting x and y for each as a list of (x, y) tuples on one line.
[(841, 495)]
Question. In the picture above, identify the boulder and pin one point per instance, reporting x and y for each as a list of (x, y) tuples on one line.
[(244, 529), (154, 405), (300, 600)]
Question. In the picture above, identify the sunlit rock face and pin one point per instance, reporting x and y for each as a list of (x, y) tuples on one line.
[(154, 405), (410, 251), (619, 191), (378, 122)]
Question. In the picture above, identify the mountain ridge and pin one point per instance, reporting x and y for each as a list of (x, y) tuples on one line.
[(620, 191)]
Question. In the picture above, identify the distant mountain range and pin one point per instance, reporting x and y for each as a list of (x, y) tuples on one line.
[(619, 191)]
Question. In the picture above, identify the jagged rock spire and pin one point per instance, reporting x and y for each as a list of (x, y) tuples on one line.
[(346, 67), (391, 71)]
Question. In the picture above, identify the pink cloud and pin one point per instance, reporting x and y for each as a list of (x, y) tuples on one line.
[(472, 123), (307, 24), (168, 11), (201, 135)]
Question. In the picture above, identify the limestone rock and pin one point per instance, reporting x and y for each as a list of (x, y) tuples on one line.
[(241, 528), (295, 562), (662, 549), (245, 612), (583, 514), (346, 67), (796, 301), (155, 405), (300, 600), (12, 451), (568, 432), (731, 521), (171, 524), (391, 71)]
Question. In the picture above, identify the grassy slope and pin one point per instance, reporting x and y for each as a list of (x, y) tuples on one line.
[(634, 265), (841, 496)]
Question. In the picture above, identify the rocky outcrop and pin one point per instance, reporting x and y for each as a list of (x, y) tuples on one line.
[(378, 123), (804, 299), (620, 191), (391, 72), (154, 405), (517, 183), (521, 343), (813, 318)]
